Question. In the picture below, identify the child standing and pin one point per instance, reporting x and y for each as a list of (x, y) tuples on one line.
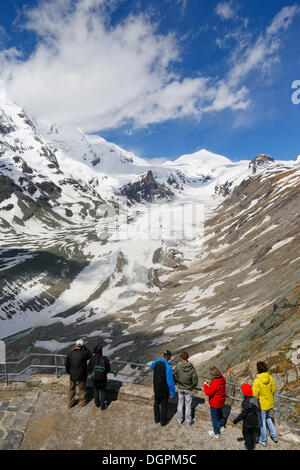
[(250, 416)]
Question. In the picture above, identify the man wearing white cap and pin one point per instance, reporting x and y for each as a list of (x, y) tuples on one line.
[(76, 367)]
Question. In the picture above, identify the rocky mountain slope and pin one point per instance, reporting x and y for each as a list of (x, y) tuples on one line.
[(34, 189), (57, 213), (268, 237), (66, 221), (250, 258)]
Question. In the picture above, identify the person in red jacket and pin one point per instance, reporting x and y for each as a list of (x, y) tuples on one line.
[(216, 390)]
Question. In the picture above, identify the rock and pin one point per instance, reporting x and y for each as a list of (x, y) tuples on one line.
[(69, 213), (146, 189), (6, 124), (50, 188), (291, 437), (260, 161), (224, 189), (8, 187), (276, 331)]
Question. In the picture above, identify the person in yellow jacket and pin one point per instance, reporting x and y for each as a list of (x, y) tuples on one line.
[(264, 389)]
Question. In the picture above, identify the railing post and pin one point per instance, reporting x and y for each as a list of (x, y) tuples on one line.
[(56, 368), (278, 410), (5, 372)]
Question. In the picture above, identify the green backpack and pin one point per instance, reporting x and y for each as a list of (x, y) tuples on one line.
[(99, 371)]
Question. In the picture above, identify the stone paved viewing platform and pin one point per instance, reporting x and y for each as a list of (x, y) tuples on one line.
[(34, 416)]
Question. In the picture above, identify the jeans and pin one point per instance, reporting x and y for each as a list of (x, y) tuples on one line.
[(99, 388), (265, 420), (217, 419), (184, 398), (161, 409)]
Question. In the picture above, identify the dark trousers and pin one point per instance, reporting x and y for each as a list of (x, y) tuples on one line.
[(72, 392), (99, 389), (249, 435), (161, 409)]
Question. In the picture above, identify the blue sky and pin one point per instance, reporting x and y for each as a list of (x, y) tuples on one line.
[(159, 77)]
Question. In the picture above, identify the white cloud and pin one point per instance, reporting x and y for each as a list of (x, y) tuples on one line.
[(9, 55), (263, 53), (249, 54), (229, 98), (283, 20), (226, 10), (95, 75)]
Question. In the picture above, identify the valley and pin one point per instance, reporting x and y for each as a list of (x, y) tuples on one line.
[(100, 244)]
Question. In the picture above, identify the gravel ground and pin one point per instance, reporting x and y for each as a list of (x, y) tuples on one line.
[(123, 426)]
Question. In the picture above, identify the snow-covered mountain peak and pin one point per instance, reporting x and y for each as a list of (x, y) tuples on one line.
[(260, 161), (297, 159), (93, 150), (199, 163), (202, 158)]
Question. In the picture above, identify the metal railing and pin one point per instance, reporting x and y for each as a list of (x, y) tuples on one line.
[(55, 366), (277, 409), (6, 376)]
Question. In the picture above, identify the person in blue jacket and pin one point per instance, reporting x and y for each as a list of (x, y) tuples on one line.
[(163, 384)]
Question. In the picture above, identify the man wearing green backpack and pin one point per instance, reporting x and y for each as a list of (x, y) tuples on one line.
[(99, 367)]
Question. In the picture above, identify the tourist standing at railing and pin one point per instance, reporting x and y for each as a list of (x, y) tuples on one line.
[(99, 367), (264, 389), (186, 380), (76, 367), (163, 384), (216, 391)]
